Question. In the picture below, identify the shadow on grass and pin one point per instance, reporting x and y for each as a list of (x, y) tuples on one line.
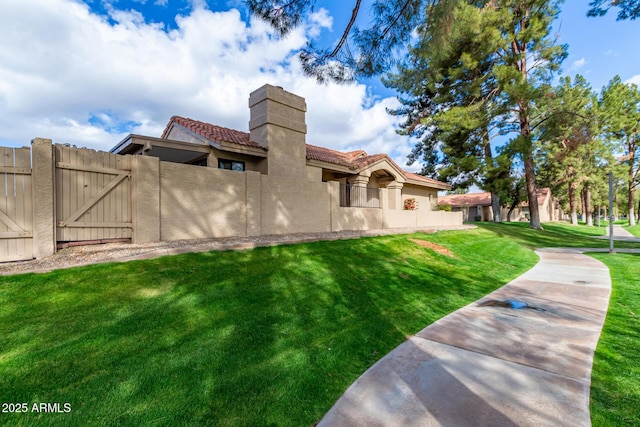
[(553, 235), (270, 336)]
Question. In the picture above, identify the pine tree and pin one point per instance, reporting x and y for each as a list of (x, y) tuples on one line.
[(477, 72), (570, 153), (627, 9), (620, 105), (514, 48)]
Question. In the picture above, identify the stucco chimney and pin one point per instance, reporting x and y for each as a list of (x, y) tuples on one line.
[(277, 122)]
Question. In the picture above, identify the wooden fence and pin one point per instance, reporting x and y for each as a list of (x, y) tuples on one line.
[(91, 200), (16, 218), (93, 195)]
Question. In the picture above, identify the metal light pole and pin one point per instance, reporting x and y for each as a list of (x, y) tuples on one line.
[(611, 249)]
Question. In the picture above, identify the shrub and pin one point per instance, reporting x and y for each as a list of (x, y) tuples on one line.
[(410, 204)]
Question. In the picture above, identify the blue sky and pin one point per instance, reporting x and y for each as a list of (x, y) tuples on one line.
[(90, 72)]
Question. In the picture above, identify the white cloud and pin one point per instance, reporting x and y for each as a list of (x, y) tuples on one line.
[(578, 64), (73, 76), (634, 80)]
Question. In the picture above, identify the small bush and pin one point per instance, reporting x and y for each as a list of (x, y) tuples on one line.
[(410, 204), (477, 218), (445, 207)]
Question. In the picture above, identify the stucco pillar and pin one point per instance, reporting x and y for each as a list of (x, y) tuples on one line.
[(334, 204), (277, 122), (394, 191), (254, 203), (358, 194), (44, 208), (145, 199)]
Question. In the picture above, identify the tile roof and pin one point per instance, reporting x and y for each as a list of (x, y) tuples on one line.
[(423, 178), (353, 160), (484, 199), (211, 132), (469, 199)]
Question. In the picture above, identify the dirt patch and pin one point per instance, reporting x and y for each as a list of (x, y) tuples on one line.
[(433, 246)]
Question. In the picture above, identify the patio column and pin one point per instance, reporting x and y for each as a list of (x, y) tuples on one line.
[(358, 195)]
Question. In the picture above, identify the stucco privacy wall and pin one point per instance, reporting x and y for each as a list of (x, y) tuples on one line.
[(172, 201), (425, 199), (293, 204), (198, 202)]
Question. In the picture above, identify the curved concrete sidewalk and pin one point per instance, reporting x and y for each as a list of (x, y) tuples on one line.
[(620, 234), (491, 365)]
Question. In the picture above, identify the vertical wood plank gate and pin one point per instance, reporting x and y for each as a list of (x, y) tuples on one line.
[(93, 195), (16, 208)]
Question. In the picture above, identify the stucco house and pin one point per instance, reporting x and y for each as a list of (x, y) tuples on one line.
[(474, 206), (296, 180), (199, 180), (477, 207)]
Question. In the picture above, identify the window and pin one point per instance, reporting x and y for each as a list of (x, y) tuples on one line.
[(233, 165)]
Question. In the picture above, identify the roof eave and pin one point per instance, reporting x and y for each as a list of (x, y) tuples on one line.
[(439, 185)]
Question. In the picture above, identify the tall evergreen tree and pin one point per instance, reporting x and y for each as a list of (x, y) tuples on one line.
[(620, 105), (570, 152), (476, 72), (359, 51), (450, 98), (627, 9), (515, 45)]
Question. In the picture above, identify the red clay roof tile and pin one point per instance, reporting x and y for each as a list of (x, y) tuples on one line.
[(469, 199), (484, 199), (353, 160), (212, 132)]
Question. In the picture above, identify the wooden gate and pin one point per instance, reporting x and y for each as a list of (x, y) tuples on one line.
[(93, 195), (16, 212)]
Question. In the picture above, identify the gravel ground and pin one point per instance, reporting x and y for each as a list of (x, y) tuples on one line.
[(119, 252)]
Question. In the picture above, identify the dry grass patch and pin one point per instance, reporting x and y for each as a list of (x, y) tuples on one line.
[(433, 246)]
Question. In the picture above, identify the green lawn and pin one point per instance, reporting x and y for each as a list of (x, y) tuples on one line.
[(271, 336), (635, 230), (615, 381)]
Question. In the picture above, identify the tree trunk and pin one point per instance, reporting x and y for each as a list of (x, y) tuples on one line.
[(632, 215), (495, 207), (511, 208), (495, 199), (529, 170), (572, 203), (587, 204), (525, 133)]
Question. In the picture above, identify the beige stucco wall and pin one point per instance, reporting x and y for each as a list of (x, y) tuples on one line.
[(356, 219), (44, 227), (314, 174), (172, 201), (145, 199), (426, 198), (277, 121), (178, 134), (438, 218), (197, 202), (294, 206)]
